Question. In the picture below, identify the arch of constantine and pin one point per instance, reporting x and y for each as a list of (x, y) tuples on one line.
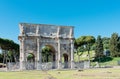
[(33, 37)]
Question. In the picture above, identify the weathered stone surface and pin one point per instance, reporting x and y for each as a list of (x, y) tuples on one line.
[(34, 36)]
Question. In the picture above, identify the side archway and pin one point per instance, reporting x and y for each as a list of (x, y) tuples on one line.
[(30, 57), (30, 65), (65, 60)]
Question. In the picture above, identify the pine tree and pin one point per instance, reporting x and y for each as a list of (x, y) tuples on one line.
[(114, 45), (99, 49)]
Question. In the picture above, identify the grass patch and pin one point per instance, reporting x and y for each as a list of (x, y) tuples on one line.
[(22, 75), (84, 56), (113, 62), (102, 73), (107, 61)]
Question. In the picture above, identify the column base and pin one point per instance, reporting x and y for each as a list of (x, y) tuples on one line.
[(59, 65), (39, 65), (22, 65), (72, 64)]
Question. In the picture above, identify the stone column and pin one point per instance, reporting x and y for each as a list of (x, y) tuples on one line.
[(38, 55), (58, 61), (22, 53), (20, 59), (58, 50), (72, 53), (72, 47)]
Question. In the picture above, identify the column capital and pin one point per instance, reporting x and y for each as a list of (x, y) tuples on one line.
[(37, 30), (22, 39), (38, 39), (58, 31)]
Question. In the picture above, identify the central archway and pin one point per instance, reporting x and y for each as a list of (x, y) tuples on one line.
[(48, 55)]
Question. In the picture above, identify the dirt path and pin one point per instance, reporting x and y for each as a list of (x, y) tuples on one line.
[(48, 76)]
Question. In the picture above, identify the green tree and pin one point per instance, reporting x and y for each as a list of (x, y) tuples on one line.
[(93, 47), (46, 53), (106, 42), (114, 45), (118, 46), (87, 41), (90, 40), (99, 49), (8, 47), (80, 51), (30, 57)]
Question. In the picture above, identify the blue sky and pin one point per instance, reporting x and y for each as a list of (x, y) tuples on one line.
[(89, 17)]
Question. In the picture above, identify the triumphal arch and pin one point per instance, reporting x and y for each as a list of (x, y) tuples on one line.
[(33, 37)]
